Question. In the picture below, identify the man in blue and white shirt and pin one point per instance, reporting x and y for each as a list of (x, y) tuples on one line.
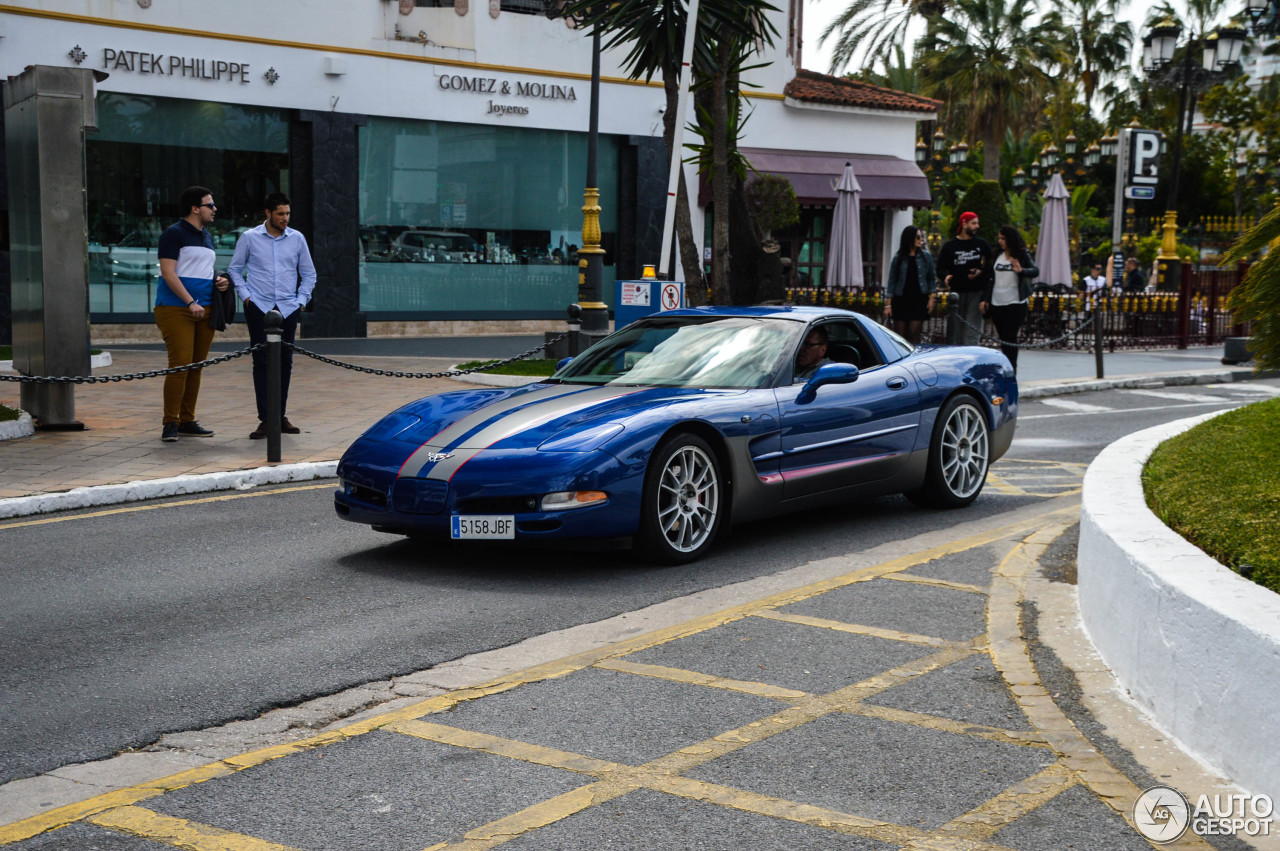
[(272, 269), (187, 282)]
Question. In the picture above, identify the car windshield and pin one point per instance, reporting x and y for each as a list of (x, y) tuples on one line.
[(688, 351)]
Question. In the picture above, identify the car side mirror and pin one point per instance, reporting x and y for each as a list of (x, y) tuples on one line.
[(562, 363), (829, 373)]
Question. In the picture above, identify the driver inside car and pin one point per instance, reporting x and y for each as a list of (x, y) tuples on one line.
[(813, 354)]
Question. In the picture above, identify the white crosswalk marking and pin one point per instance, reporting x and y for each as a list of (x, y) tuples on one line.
[(1258, 389), (1071, 405), (1179, 397)]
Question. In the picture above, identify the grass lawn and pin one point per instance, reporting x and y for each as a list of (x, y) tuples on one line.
[(1218, 485), (7, 413), (529, 366)]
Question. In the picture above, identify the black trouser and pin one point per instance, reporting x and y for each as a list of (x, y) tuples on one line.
[(1008, 319), (256, 320)]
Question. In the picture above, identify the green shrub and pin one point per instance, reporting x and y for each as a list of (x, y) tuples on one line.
[(1218, 485), (7, 414), (985, 198)]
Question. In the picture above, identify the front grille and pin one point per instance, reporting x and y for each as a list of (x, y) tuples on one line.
[(499, 505), (364, 494)]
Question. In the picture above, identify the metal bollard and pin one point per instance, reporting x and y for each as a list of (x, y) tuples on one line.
[(953, 319), (575, 330), (1099, 313), (273, 321)]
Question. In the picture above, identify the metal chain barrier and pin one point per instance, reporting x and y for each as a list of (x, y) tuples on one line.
[(984, 335), (103, 379), (446, 374)]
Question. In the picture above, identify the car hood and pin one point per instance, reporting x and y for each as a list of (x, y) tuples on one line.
[(554, 417)]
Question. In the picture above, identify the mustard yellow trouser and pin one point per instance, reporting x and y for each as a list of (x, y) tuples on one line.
[(188, 340)]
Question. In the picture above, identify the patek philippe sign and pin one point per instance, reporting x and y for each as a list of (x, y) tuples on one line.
[(163, 65), (505, 88)]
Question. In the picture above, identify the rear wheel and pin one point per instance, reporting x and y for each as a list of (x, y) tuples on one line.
[(683, 505), (959, 455)]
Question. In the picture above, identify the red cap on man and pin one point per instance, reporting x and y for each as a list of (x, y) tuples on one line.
[(965, 217)]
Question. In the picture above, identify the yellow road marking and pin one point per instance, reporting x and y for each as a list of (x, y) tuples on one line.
[(1013, 659), (680, 675), (990, 816), (201, 501), (523, 751), (859, 629), (937, 583), (180, 833), (725, 743), (949, 725)]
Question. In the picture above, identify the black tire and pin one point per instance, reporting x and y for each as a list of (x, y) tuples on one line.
[(959, 455), (684, 503)]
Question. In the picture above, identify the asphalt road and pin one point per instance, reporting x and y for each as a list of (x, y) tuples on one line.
[(121, 625)]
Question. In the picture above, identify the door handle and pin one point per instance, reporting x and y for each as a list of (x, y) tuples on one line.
[(896, 383)]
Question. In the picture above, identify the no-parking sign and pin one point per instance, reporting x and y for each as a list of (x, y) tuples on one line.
[(672, 296)]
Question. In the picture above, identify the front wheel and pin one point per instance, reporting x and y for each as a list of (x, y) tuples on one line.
[(683, 503), (959, 455)]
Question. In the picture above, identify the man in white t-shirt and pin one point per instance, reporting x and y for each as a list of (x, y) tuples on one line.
[(1095, 283)]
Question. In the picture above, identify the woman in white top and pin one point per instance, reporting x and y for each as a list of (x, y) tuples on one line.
[(1005, 298)]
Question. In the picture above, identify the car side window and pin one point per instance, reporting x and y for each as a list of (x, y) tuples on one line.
[(849, 344)]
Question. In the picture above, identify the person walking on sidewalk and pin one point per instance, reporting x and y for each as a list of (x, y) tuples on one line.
[(964, 265), (1005, 298), (272, 269), (911, 286), (187, 281)]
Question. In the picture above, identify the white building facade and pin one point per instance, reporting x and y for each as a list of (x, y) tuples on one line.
[(434, 150)]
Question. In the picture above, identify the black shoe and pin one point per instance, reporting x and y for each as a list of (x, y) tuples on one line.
[(194, 429), (259, 433), (170, 433), (287, 427)]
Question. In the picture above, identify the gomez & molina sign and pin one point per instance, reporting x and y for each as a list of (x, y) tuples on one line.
[(496, 86), (142, 62)]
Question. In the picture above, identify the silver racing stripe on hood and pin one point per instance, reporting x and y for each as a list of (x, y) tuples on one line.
[(438, 442), (522, 420)]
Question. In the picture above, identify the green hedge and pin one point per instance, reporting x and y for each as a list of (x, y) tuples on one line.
[(1218, 485)]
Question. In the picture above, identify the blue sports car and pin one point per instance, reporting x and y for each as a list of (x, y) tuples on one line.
[(680, 424)]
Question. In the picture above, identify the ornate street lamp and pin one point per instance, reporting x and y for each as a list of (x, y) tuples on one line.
[(1049, 156), (1110, 145), (1035, 171), (939, 142), (922, 153), (1217, 53), (1070, 146), (1019, 179), (1092, 156)]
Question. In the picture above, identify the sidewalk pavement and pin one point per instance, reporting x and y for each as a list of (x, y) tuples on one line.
[(121, 447)]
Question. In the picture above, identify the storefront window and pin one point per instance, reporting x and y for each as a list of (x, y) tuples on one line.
[(461, 221), (146, 152)]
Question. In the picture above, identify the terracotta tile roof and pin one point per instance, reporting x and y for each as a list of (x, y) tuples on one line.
[(813, 87)]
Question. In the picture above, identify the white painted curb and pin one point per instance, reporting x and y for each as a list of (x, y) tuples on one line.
[(1196, 645), (21, 427), (89, 497), (95, 362)]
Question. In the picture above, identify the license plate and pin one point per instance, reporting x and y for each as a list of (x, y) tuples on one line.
[(487, 527)]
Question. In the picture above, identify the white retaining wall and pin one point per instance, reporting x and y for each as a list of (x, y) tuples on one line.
[(1195, 644)]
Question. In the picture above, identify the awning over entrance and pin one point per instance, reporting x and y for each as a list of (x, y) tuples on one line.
[(886, 181)]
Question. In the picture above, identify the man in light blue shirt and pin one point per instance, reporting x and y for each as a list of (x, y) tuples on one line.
[(272, 268)]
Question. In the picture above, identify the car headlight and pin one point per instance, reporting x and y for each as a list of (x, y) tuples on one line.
[(565, 500)]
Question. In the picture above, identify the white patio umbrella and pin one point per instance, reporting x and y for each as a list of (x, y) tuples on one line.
[(844, 244), (1053, 254)]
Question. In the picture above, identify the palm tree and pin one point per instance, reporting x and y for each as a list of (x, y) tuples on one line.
[(876, 27), (1101, 45), (652, 32), (987, 58)]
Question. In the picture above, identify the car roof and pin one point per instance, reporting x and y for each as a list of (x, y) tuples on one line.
[(796, 313)]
